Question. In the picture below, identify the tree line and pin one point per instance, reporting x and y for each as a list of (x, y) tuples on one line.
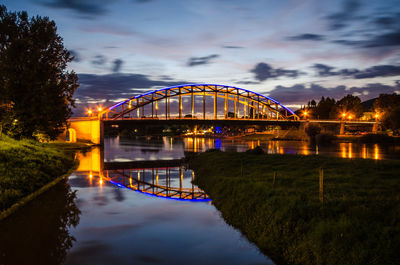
[(385, 108)]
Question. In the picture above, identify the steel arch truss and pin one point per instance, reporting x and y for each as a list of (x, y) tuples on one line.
[(255, 106)]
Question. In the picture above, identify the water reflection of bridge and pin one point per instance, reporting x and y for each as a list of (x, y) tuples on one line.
[(157, 184), (160, 178)]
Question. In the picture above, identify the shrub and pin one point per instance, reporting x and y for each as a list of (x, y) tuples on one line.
[(256, 151), (325, 138)]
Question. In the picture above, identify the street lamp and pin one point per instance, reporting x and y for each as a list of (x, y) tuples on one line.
[(305, 113), (343, 115), (90, 112), (99, 109), (350, 117)]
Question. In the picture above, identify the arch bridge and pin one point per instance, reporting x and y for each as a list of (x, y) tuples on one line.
[(228, 102), (189, 103)]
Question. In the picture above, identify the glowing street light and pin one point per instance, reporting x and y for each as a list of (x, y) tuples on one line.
[(99, 109), (90, 112), (350, 117), (343, 115), (305, 113)]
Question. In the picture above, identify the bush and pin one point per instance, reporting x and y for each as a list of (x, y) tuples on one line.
[(256, 151), (212, 150), (376, 138), (325, 138), (312, 130)]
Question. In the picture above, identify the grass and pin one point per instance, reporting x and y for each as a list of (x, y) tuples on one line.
[(357, 223), (26, 166)]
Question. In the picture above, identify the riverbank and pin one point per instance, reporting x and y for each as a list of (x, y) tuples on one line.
[(28, 168), (357, 222)]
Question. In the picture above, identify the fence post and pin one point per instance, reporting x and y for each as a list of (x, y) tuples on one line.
[(321, 185)]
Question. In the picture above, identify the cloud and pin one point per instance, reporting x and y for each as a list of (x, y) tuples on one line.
[(117, 64), (118, 30), (194, 61), (86, 7), (264, 71), (383, 40), (232, 47), (347, 14), (379, 71), (247, 82), (115, 86), (75, 54), (385, 21), (301, 93), (99, 60), (307, 36), (324, 70)]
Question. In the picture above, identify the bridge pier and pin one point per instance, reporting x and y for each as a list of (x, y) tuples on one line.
[(375, 127), (341, 131), (88, 130)]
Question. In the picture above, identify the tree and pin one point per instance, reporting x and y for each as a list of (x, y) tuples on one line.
[(350, 105), (33, 76), (387, 106), (386, 102), (392, 120), (324, 108)]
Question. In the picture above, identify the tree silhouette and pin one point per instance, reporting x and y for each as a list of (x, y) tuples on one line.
[(33, 76), (387, 106), (350, 105)]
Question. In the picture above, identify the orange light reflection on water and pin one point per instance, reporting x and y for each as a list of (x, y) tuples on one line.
[(350, 150), (305, 150), (376, 152), (364, 151), (343, 150)]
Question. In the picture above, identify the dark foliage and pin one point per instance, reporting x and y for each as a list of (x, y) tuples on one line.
[(392, 120), (378, 138), (312, 130), (350, 105), (34, 81), (388, 107), (324, 138), (324, 108), (256, 151)]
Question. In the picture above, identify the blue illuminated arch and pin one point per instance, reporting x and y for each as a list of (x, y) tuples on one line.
[(122, 108)]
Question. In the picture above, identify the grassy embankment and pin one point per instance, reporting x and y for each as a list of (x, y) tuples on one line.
[(357, 223), (27, 166)]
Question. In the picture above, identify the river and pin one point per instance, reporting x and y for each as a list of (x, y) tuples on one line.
[(119, 208)]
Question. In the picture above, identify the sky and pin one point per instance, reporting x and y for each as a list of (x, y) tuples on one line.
[(290, 50)]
